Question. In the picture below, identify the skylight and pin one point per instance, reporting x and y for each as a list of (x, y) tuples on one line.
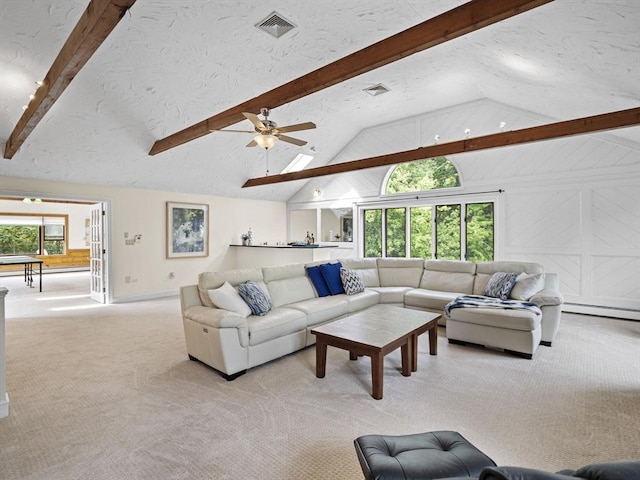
[(298, 163)]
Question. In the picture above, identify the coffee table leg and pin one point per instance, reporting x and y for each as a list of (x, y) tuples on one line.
[(433, 339), (377, 372), (414, 353), (407, 358), (321, 358), (353, 356)]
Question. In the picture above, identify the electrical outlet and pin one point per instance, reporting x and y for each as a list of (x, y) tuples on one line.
[(172, 274), (127, 279), (130, 241)]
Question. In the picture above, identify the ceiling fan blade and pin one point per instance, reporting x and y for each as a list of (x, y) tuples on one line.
[(297, 127), (295, 141), (252, 143), (253, 118), (234, 131)]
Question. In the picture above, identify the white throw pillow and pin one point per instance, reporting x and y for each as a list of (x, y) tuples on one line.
[(227, 298), (527, 285)]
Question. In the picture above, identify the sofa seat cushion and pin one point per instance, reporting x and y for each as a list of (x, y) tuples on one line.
[(431, 299), (391, 294), (277, 323), (320, 310), (525, 320), (361, 300)]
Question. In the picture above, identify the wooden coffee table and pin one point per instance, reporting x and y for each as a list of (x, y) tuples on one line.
[(375, 332)]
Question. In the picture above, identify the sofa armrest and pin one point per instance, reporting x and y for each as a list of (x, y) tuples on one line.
[(550, 294), (547, 297), (215, 317)]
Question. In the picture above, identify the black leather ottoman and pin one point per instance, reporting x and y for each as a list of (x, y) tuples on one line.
[(421, 456)]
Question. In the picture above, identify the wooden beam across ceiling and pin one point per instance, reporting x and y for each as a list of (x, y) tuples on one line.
[(606, 121), (95, 24), (454, 23)]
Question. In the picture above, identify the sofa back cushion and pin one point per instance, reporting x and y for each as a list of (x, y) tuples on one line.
[(288, 284), (448, 276), (485, 270), (211, 280), (367, 268), (400, 272)]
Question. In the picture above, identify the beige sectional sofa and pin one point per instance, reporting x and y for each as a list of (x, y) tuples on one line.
[(232, 343)]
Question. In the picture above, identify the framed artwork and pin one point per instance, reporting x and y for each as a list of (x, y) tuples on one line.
[(187, 230)]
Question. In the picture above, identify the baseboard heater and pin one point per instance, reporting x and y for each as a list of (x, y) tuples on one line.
[(601, 311)]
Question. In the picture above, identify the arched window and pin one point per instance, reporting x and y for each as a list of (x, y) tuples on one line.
[(422, 175)]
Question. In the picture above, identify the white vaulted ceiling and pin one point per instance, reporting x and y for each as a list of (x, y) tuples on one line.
[(168, 65)]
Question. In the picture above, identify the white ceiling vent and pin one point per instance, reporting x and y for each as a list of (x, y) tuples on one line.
[(276, 25), (378, 89)]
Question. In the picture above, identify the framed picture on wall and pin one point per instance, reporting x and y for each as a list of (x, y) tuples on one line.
[(187, 230)]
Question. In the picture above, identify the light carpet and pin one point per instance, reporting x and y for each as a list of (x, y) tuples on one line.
[(107, 392)]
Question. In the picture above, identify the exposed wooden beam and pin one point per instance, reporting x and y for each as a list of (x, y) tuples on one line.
[(95, 24), (464, 19), (606, 121)]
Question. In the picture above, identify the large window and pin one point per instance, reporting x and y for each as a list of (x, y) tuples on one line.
[(452, 231), (428, 228), (32, 235)]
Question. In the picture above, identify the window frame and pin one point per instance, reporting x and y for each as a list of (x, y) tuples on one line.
[(431, 199), (41, 229)]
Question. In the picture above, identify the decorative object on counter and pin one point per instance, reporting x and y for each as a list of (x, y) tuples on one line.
[(247, 238), (307, 239), (313, 239)]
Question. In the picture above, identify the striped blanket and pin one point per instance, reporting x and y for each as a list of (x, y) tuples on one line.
[(479, 301)]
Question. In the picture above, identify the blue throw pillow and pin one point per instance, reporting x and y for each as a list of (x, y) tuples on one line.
[(318, 281), (331, 274), (258, 301)]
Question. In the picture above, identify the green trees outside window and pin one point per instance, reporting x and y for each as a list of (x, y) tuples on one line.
[(19, 239), (32, 235), (423, 175), (395, 232), (448, 230), (373, 233), (480, 232), (420, 236), (435, 229)]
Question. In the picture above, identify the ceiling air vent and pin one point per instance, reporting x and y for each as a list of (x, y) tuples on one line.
[(276, 25), (378, 89)]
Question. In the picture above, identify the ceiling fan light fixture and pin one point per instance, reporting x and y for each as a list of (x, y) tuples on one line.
[(265, 141)]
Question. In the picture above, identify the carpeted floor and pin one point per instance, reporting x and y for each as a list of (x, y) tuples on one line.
[(107, 392)]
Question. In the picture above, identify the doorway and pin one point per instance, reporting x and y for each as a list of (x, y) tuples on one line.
[(82, 226)]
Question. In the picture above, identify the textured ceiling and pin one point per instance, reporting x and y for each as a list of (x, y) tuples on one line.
[(168, 65)]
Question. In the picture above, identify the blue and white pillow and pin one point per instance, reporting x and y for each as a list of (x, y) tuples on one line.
[(258, 301), (500, 285), (351, 281)]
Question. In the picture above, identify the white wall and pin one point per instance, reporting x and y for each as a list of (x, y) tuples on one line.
[(77, 214), (143, 212), (571, 204)]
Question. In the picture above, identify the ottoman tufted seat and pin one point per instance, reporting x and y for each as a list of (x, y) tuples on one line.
[(420, 456)]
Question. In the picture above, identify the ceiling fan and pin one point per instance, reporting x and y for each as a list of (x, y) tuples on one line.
[(269, 132)]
